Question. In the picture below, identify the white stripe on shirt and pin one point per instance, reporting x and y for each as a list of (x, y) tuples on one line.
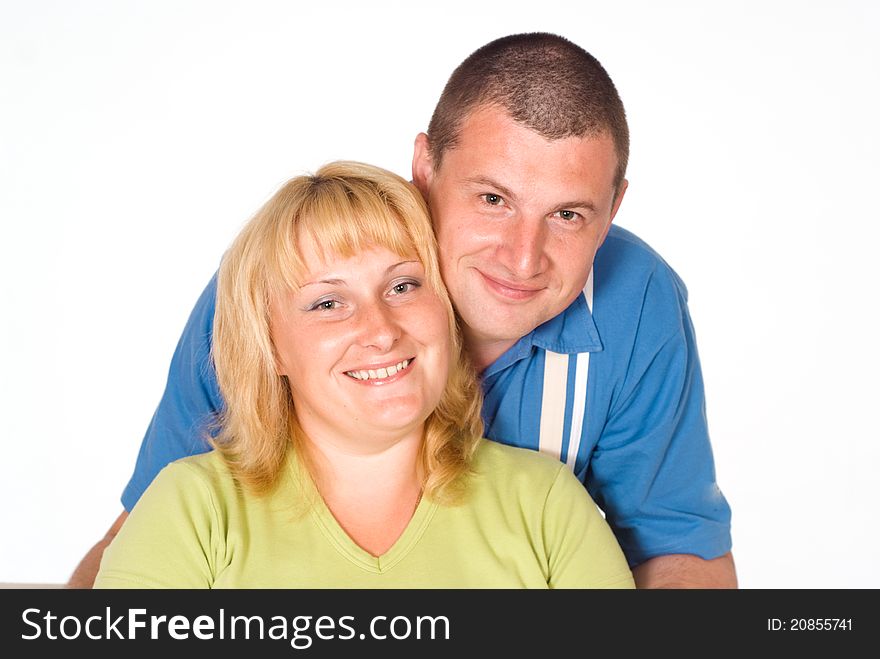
[(553, 403), (582, 370), (581, 375), (553, 398)]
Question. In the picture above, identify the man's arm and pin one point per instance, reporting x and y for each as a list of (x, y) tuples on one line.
[(177, 428), (84, 574), (189, 404), (652, 470), (686, 571)]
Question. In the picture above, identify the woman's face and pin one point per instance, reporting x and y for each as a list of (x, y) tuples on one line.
[(365, 344)]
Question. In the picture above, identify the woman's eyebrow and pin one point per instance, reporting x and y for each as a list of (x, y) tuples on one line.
[(334, 281), (397, 265)]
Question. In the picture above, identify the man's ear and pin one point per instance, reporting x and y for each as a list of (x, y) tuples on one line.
[(422, 165), (624, 184), (614, 208)]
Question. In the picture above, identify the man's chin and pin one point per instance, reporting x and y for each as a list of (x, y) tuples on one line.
[(501, 328)]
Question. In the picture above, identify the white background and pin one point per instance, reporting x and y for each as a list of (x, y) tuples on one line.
[(137, 137)]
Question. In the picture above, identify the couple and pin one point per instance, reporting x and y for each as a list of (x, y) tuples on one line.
[(349, 453), (583, 353)]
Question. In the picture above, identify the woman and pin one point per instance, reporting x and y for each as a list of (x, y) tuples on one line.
[(349, 454)]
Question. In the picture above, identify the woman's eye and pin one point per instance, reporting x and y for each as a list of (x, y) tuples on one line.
[(404, 287), (324, 305), (493, 199)]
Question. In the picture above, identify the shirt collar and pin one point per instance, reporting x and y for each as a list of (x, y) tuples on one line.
[(571, 332)]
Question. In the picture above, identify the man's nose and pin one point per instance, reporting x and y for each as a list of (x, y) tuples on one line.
[(523, 244), (378, 326)]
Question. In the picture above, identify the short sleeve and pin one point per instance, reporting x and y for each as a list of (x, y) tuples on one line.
[(652, 471), (582, 551), (169, 539)]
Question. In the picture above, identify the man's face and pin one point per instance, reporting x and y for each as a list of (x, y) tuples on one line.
[(518, 220)]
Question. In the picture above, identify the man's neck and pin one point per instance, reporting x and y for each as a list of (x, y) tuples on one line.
[(484, 352)]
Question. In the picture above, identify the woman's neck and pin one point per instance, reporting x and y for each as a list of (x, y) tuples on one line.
[(372, 492), (341, 472)]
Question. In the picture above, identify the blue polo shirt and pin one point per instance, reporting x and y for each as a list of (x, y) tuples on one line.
[(612, 387)]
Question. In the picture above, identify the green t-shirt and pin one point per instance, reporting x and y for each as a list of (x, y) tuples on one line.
[(526, 523)]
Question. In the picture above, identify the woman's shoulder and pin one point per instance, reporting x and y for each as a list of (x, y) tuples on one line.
[(208, 470), (211, 475), (513, 466), (210, 463)]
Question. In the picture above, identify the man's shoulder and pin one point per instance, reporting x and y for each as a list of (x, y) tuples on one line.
[(625, 266), (626, 256), (637, 296), (619, 236)]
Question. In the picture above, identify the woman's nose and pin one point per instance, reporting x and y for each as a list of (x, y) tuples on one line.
[(378, 327)]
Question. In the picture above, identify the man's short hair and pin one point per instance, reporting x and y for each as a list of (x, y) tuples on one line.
[(542, 80)]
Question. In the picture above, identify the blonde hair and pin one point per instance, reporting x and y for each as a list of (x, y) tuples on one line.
[(345, 207)]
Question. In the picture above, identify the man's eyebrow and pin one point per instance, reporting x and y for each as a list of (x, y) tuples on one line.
[(582, 203), (338, 282), (495, 185), (506, 192)]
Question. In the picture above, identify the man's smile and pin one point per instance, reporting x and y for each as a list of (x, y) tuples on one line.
[(512, 291)]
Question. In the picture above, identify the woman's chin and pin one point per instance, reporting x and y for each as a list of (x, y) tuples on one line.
[(393, 419)]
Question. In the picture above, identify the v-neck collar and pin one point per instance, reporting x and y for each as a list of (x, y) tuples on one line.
[(343, 543), (348, 548)]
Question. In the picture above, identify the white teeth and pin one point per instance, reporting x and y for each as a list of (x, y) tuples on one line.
[(380, 373)]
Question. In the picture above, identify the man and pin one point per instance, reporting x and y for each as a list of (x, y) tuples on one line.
[(580, 332)]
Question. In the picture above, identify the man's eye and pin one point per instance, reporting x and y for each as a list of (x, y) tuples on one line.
[(567, 215), (493, 199)]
